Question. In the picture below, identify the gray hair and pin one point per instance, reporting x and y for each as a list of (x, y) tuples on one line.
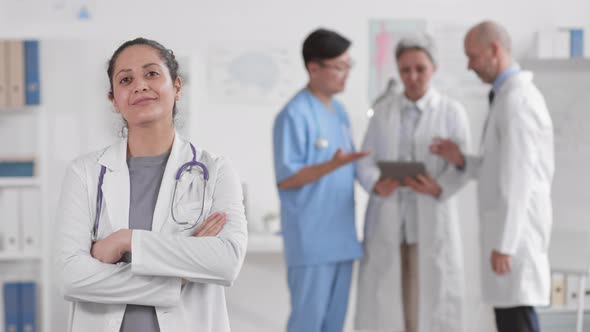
[(421, 42)]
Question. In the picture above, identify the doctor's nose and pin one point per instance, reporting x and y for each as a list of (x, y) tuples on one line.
[(140, 86)]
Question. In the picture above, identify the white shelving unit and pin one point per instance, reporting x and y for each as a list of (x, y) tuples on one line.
[(28, 256), (20, 182), (27, 123)]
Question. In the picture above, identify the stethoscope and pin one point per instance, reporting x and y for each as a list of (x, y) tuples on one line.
[(322, 142), (179, 173)]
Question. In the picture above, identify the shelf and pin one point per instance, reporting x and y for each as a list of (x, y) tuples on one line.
[(559, 310), (18, 109), (24, 181), (264, 243), (571, 64), (19, 256)]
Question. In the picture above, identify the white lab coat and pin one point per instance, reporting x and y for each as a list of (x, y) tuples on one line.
[(440, 256), (514, 174), (160, 258)]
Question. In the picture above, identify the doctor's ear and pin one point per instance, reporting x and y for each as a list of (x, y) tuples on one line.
[(495, 46), (112, 99), (178, 87), (312, 67)]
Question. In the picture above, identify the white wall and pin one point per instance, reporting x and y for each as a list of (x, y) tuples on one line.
[(79, 119)]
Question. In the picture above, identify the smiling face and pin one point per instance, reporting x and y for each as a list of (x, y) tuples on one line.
[(143, 90)]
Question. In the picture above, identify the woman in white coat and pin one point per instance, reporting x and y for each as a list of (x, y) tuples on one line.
[(411, 278), (151, 229)]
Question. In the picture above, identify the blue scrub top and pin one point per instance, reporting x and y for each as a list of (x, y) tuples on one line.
[(317, 219)]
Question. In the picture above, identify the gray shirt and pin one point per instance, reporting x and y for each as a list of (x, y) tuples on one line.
[(145, 175)]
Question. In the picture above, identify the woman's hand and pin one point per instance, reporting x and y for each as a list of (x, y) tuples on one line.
[(386, 187), (424, 184), (212, 226), (112, 248)]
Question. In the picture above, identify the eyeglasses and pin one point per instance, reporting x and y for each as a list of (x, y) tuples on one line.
[(340, 67)]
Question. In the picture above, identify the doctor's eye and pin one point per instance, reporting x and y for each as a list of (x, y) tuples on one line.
[(125, 80), (152, 74)]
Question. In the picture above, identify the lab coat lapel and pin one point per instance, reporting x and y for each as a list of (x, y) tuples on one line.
[(180, 154), (392, 137), (116, 185), (493, 113), (424, 127)]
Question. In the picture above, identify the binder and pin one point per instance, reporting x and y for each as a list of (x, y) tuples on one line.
[(12, 317), (577, 43), (3, 74), (30, 207), (28, 306), (561, 44), (558, 290), (16, 73), (32, 91), (9, 220), (17, 168)]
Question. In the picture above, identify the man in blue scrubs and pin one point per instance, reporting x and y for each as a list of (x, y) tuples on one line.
[(314, 167)]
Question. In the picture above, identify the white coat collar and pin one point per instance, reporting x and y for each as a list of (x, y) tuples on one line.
[(114, 158), (116, 186), (423, 104), (516, 79)]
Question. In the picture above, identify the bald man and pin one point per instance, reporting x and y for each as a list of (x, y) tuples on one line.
[(514, 172)]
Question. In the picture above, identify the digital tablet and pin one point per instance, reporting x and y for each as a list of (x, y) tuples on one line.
[(398, 170)]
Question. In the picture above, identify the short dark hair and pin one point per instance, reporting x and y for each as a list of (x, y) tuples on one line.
[(166, 55), (323, 44)]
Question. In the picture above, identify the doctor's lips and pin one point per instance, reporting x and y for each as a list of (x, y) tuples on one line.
[(143, 100)]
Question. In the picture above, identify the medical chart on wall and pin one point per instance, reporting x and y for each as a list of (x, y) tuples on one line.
[(452, 75), (383, 36), (258, 75)]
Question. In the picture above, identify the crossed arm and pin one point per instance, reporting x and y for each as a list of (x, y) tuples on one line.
[(161, 262)]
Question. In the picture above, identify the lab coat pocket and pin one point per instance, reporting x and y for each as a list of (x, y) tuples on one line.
[(193, 213)]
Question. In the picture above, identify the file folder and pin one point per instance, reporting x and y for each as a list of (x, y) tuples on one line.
[(12, 319), (9, 221), (12, 168), (32, 84), (30, 207), (16, 73), (577, 43), (3, 74), (28, 306)]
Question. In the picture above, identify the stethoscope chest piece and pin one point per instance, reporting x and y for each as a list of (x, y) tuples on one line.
[(321, 143)]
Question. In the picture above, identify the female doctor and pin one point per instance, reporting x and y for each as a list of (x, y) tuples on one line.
[(151, 228), (411, 278)]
